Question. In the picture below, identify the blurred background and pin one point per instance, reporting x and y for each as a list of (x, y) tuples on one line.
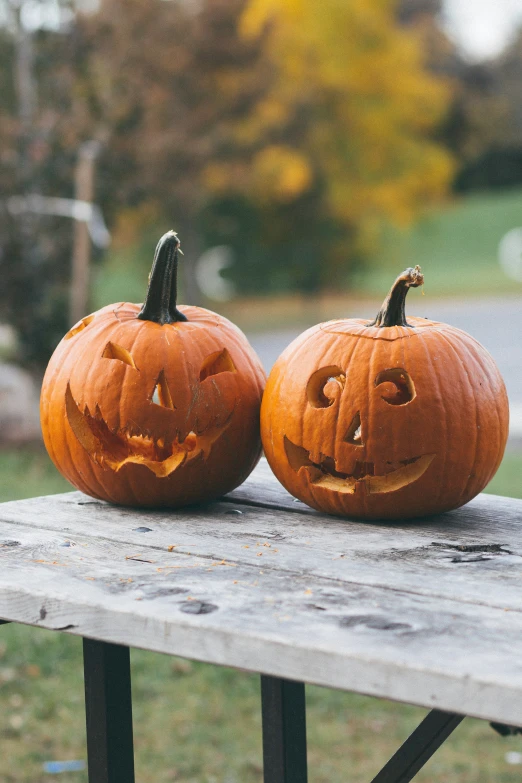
[(306, 153)]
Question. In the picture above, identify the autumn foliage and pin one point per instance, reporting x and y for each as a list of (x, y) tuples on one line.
[(288, 130), (370, 104)]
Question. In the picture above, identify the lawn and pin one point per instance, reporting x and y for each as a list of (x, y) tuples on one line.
[(456, 246), (196, 723)]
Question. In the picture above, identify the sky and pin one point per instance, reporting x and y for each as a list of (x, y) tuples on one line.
[(482, 27)]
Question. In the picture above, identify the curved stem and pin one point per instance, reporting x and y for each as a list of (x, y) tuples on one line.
[(392, 312), (160, 302)]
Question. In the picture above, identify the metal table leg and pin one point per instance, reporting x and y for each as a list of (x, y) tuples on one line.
[(419, 747), (284, 730), (108, 710)]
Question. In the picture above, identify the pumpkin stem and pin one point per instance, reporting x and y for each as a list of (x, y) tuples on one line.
[(160, 302), (392, 312)]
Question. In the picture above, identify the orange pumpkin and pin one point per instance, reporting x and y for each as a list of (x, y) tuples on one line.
[(389, 419), (153, 406)]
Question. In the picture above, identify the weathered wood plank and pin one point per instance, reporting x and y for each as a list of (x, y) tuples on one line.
[(262, 488), (437, 652), (474, 553)]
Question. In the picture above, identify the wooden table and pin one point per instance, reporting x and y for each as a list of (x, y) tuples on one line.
[(426, 612)]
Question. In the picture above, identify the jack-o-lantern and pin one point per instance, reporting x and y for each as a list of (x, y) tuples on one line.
[(389, 419), (153, 405)]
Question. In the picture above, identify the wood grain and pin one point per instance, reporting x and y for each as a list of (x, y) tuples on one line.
[(428, 612)]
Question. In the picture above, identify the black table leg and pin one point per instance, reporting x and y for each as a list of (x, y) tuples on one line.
[(108, 710), (419, 747), (284, 730)]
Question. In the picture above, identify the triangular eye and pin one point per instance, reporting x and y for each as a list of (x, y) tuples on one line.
[(162, 395), (217, 362), (115, 351), (80, 326)]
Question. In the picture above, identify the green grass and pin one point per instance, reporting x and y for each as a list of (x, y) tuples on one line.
[(201, 724), (456, 247), (196, 723), (508, 480), (28, 472), (123, 277)]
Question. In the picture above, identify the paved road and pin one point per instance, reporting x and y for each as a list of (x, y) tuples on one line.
[(496, 323)]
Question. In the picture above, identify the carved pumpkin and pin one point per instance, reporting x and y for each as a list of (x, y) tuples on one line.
[(388, 419), (153, 406)]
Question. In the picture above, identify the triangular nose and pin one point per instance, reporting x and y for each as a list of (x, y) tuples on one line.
[(162, 395), (354, 433)]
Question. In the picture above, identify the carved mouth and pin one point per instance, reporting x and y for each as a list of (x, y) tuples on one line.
[(324, 474), (114, 449)]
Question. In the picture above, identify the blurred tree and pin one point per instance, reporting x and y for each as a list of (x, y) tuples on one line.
[(483, 127), (172, 83), (493, 153), (370, 108), (440, 52), (38, 139), (418, 11), (161, 85), (293, 141), (317, 131), (508, 68)]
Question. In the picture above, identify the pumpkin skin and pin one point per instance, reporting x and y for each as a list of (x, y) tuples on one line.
[(145, 413), (379, 421)]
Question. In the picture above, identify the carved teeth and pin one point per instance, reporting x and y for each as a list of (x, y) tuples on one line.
[(130, 444), (324, 473)]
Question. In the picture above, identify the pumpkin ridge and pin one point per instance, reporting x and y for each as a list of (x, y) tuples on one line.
[(440, 400), (253, 362), (308, 429), (358, 327), (477, 353), (348, 370), (471, 386), (71, 460), (67, 433), (133, 349), (338, 411)]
